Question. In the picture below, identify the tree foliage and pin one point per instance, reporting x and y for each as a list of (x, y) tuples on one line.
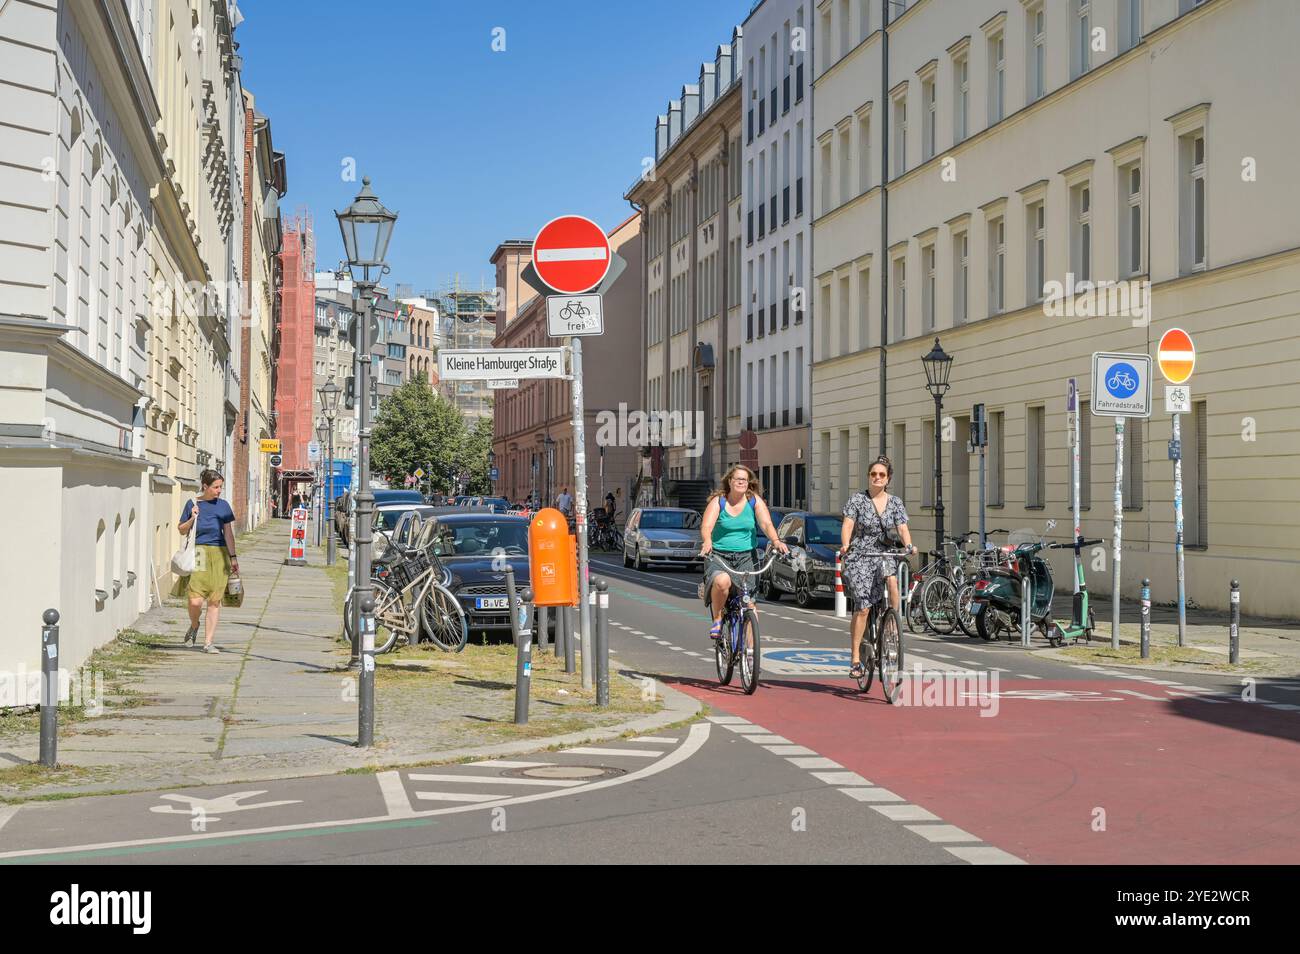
[(417, 428)]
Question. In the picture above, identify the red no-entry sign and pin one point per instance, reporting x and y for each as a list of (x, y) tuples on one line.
[(571, 254)]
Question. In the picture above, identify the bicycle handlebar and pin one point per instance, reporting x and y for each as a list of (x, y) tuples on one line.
[(732, 571), (883, 553)]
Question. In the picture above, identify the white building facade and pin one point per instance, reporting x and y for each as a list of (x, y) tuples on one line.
[(777, 349), (1032, 146)]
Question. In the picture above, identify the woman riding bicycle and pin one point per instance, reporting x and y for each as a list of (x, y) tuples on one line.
[(870, 519), (735, 512)]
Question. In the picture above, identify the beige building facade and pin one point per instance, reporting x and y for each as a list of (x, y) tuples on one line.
[(1033, 146)]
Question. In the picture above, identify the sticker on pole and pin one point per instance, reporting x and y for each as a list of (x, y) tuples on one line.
[(571, 254), (1176, 355), (1121, 384)]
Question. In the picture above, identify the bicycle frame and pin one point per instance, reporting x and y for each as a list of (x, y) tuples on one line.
[(738, 598)]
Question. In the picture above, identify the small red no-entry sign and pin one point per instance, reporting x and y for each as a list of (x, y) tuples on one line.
[(571, 254)]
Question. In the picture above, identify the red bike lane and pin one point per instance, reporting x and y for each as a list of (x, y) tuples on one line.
[(1166, 780)]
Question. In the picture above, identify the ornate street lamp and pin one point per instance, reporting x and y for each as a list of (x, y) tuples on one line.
[(366, 227), (492, 462), (329, 401), (938, 365)]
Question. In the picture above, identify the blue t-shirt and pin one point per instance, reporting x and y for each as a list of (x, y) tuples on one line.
[(213, 516)]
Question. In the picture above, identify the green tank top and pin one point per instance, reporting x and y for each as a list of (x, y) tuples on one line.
[(735, 533)]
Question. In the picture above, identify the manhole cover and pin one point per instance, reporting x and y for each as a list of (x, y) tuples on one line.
[(567, 772)]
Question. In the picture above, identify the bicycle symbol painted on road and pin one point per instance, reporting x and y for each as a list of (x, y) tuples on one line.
[(811, 657), (1123, 381)]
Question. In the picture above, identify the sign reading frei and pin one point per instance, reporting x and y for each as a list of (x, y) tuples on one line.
[(1121, 384), (1176, 355), (574, 315), (1178, 399), (469, 364), (571, 254), (269, 446)]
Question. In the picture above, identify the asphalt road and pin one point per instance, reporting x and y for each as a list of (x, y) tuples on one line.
[(993, 756)]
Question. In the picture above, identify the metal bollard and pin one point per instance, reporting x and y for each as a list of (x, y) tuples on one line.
[(1234, 625), (543, 628), (567, 615), (1026, 609), (50, 688), (366, 679), (602, 643), (523, 639), (1146, 619)]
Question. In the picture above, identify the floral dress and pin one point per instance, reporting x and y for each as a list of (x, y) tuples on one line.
[(864, 575)]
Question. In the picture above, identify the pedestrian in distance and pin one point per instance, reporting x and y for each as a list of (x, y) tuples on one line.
[(214, 557), (872, 518), (564, 502), (733, 516)]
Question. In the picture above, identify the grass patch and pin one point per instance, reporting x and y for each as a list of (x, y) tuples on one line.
[(338, 577), (33, 774), (1131, 655)]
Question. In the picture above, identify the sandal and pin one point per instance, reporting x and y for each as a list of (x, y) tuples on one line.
[(856, 671), (716, 629)]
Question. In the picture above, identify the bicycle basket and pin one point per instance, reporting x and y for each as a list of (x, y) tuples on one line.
[(408, 570)]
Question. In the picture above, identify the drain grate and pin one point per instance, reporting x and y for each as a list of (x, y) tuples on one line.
[(583, 772)]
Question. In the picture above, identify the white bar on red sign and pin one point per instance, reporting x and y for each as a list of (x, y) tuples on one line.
[(570, 254)]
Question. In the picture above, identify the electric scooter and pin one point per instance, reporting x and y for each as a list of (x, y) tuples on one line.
[(1082, 622)]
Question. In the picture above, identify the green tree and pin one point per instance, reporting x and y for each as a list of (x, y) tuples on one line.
[(418, 428), (474, 459)]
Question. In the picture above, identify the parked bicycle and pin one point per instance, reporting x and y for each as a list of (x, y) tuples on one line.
[(739, 639)]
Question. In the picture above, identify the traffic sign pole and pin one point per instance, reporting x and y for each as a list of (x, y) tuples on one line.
[(1178, 530), (1176, 356), (1119, 526), (580, 512)]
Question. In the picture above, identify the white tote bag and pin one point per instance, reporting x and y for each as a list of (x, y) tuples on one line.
[(183, 559)]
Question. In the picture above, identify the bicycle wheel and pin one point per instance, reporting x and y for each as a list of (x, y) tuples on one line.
[(939, 602), (443, 619), (751, 653), (723, 659), (867, 656), (915, 613), (965, 619), (889, 655), (390, 616)]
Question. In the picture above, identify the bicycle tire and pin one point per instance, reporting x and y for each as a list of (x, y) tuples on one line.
[(386, 598), (867, 657), (723, 660), (750, 662), (889, 655), (442, 618), (965, 619), (915, 615), (939, 603)]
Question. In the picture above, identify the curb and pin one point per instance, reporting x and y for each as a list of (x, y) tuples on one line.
[(1185, 668), (678, 707)]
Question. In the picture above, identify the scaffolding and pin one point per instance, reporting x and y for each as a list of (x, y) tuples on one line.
[(468, 320), (294, 363)]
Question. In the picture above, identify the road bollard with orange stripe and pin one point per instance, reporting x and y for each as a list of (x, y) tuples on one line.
[(841, 604)]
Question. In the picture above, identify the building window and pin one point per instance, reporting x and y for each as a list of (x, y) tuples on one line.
[(996, 456), (824, 40), (928, 288), (1196, 520), (997, 265), (845, 345), (824, 485), (961, 99), (997, 77), (846, 166), (1035, 457), (1191, 206), (1081, 232), (960, 276), (864, 311), (900, 298), (900, 135), (1082, 59), (1130, 24), (1134, 457), (1036, 263), (1130, 219), (846, 34), (864, 456), (1036, 63), (928, 97), (927, 463), (826, 176), (864, 154), (898, 457)]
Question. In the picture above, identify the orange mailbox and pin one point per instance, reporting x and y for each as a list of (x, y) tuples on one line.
[(553, 567)]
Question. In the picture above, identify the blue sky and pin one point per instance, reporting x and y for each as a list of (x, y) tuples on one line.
[(469, 145)]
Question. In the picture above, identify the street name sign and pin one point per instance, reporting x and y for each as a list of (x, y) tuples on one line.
[(571, 254), (1176, 355), (471, 364), (574, 315), (1121, 384)]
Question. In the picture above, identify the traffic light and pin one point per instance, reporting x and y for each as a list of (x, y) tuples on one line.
[(979, 427), (350, 393)]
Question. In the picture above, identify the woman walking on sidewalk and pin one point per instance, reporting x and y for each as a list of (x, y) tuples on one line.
[(214, 556)]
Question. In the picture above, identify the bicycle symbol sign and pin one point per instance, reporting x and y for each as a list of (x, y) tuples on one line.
[(1121, 384), (1123, 380), (568, 315)]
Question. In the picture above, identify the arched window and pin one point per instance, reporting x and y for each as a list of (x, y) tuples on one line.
[(128, 551), (101, 557), (118, 570)]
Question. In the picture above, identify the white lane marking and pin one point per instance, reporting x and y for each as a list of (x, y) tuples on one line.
[(747, 728), (940, 656), (394, 792), (814, 761), (7, 812), (677, 649), (941, 833), (768, 739), (458, 797), (840, 778), (655, 739), (872, 794), (698, 735), (498, 780), (503, 763), (690, 653), (789, 750), (595, 750), (1141, 695), (728, 720), (662, 642), (1199, 698), (636, 632), (906, 813), (1025, 675), (985, 855)]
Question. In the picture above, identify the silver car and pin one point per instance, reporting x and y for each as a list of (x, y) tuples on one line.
[(662, 536)]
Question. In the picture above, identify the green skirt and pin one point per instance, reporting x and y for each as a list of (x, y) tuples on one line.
[(211, 573)]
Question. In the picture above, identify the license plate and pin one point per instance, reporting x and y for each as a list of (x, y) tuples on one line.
[(976, 605), (491, 603), (683, 553)]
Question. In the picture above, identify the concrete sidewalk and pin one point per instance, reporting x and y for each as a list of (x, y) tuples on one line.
[(279, 701)]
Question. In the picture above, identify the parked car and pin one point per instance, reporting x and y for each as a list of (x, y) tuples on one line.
[(398, 496), (662, 536), (808, 570), (476, 546), (393, 522)]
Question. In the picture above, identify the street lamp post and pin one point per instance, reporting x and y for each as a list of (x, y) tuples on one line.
[(329, 401), (938, 365), (322, 436), (549, 444), (366, 227)]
